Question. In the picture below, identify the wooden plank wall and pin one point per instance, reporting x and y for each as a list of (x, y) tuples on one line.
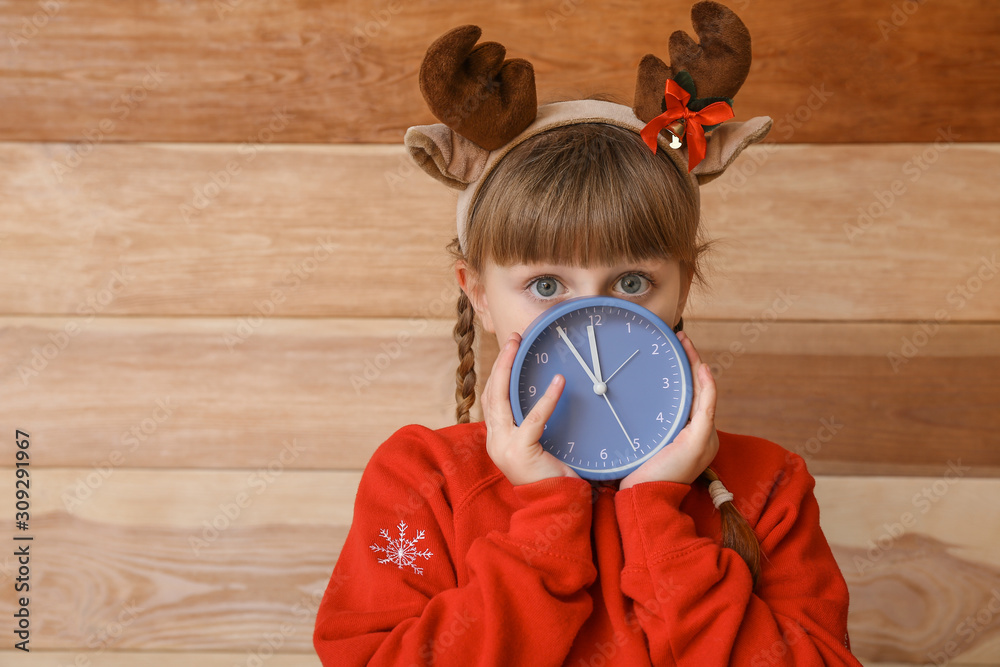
[(222, 277)]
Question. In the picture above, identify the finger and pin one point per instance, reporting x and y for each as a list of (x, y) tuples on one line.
[(534, 422), (706, 396), (497, 390), (689, 349), (703, 406), (698, 367), (701, 421)]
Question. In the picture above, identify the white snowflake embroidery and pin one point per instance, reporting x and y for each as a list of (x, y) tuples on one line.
[(401, 552)]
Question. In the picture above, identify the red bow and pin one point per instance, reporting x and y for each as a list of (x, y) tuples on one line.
[(677, 99)]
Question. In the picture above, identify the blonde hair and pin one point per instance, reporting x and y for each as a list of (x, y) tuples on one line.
[(584, 194)]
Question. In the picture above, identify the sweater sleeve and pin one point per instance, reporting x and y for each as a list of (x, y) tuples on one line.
[(694, 598), (394, 597)]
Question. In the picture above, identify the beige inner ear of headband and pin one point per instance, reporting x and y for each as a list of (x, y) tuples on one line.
[(558, 114)]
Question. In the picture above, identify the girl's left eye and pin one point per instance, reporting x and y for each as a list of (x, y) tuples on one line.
[(544, 287), (633, 283)]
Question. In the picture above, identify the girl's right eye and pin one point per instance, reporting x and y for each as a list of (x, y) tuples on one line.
[(545, 287)]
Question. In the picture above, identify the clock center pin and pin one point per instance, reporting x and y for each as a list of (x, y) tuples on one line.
[(600, 388)]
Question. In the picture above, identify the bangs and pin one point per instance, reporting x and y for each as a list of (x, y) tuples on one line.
[(582, 195)]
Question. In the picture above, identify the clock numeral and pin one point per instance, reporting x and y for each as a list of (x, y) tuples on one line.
[(659, 417), (666, 383), (570, 447), (628, 326), (635, 444), (596, 322), (604, 453), (532, 391), (542, 358), (656, 348)]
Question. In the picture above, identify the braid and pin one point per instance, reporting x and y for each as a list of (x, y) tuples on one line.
[(465, 377), (736, 531)]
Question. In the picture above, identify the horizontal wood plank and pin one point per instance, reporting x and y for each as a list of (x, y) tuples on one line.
[(109, 583), (315, 393), (812, 232), (924, 575), (99, 71)]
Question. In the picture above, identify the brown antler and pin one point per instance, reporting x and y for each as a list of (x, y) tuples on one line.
[(474, 91), (718, 65)]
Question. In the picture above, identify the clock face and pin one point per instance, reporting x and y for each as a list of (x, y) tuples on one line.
[(628, 383)]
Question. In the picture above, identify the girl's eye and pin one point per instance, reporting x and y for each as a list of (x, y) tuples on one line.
[(633, 283), (544, 287)]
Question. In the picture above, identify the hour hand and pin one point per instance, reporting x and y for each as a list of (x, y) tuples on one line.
[(593, 352)]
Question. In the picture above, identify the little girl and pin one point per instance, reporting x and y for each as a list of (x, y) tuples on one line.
[(470, 544)]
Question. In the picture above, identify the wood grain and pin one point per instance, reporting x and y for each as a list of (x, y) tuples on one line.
[(923, 573), (842, 71), (169, 392), (108, 582), (339, 231)]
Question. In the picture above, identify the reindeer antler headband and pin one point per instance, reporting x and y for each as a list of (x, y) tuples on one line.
[(488, 106)]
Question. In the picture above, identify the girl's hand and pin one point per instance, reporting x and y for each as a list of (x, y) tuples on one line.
[(694, 448), (515, 449)]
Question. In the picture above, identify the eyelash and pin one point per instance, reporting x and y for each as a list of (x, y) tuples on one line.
[(649, 280)]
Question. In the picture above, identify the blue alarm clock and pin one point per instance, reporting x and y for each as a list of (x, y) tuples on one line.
[(628, 383)]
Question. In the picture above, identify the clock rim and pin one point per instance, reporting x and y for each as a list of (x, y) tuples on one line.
[(557, 311)]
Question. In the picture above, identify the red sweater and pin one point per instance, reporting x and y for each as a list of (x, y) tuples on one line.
[(447, 563)]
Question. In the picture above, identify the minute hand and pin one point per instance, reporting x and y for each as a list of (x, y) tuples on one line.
[(572, 348), (600, 388)]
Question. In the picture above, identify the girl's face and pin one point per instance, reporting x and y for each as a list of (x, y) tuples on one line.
[(508, 298)]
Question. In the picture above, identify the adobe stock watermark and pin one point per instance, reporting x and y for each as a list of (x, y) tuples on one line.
[(129, 441), (30, 28), (104, 638), (794, 460), (366, 32), (641, 614), (446, 636), (121, 108), (298, 273), (751, 332), (108, 636), (305, 611), (563, 11), (968, 630), (375, 365), (406, 167), (230, 511), (206, 193), (739, 174), (223, 7), (901, 13), (42, 357), (922, 501), (913, 169), (561, 524), (430, 486), (776, 652), (958, 296)]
